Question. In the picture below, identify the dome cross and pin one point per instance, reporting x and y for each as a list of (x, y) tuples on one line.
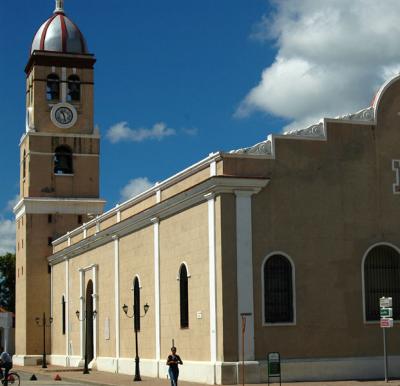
[(59, 6)]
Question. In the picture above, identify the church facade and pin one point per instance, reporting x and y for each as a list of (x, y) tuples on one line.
[(299, 233)]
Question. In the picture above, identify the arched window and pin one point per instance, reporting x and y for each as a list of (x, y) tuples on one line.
[(381, 279), (136, 303), (184, 296), (63, 314), (278, 290), (74, 89), (53, 87), (63, 160)]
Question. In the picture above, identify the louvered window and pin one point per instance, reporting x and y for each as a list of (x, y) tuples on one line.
[(381, 279), (278, 290)]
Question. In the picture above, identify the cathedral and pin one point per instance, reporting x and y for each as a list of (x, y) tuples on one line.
[(285, 246)]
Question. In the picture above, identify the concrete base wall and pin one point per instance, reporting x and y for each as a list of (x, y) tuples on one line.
[(227, 373), (28, 360)]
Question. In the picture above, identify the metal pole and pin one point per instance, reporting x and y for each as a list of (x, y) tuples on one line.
[(86, 367), (44, 360), (243, 331), (137, 369), (385, 354)]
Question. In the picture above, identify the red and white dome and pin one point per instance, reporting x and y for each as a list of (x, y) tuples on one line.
[(59, 34)]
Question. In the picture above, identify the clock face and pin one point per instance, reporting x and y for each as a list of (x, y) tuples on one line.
[(64, 115)]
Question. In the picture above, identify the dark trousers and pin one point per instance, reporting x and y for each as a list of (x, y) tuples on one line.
[(173, 376), (6, 367)]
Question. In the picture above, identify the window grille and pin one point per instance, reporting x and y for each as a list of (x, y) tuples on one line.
[(278, 290), (184, 296), (381, 279)]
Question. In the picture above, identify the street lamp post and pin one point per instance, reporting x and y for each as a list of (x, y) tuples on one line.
[(137, 359), (94, 313), (44, 323)]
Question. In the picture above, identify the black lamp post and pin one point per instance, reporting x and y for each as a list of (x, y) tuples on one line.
[(94, 313), (125, 309), (44, 323)]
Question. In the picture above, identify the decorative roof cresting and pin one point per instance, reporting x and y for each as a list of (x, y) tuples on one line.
[(313, 131)]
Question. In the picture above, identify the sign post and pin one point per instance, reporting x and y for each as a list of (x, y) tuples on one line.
[(274, 366), (243, 315), (386, 314)]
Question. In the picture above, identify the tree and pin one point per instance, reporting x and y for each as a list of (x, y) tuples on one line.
[(7, 281)]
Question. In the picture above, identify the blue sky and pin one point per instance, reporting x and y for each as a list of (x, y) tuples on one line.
[(184, 78)]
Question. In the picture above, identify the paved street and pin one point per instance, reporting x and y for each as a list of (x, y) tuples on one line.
[(45, 380), (96, 378)]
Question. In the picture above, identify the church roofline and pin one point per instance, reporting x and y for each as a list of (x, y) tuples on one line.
[(202, 164), (195, 195)]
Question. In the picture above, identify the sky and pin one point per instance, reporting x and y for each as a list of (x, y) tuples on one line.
[(176, 80)]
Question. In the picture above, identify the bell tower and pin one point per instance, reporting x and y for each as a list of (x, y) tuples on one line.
[(59, 169)]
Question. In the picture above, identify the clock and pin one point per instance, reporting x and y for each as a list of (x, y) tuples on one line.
[(63, 115)]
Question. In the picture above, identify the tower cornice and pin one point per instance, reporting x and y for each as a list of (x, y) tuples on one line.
[(49, 58)]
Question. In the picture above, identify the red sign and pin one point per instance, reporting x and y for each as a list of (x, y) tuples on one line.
[(386, 322)]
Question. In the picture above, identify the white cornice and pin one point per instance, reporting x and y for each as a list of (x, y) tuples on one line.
[(44, 205), (162, 210)]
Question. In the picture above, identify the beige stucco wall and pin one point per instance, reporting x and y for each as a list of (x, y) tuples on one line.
[(40, 178), (326, 204), (186, 183), (137, 259), (104, 258), (184, 238), (139, 207)]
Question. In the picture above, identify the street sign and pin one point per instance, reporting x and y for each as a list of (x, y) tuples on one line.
[(386, 312), (274, 366), (386, 322), (385, 302)]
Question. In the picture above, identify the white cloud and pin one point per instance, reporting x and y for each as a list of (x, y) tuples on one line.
[(135, 187), (7, 236), (122, 132), (11, 203), (332, 57), (190, 131)]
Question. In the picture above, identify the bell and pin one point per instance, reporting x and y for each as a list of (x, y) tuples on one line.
[(74, 88), (63, 161)]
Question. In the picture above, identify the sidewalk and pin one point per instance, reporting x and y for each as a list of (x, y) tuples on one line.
[(100, 378)]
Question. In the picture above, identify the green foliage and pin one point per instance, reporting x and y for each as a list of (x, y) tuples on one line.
[(7, 281)]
